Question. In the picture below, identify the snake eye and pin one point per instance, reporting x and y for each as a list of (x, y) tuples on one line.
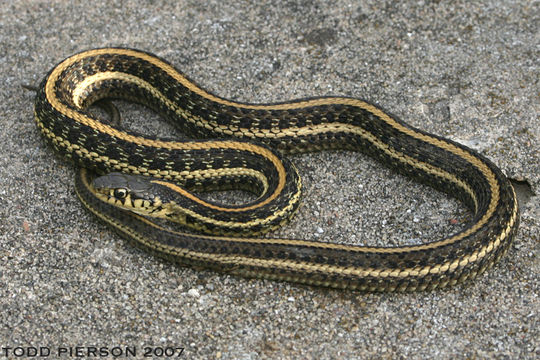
[(120, 193)]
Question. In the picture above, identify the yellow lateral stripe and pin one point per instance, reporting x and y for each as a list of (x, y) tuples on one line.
[(233, 224)]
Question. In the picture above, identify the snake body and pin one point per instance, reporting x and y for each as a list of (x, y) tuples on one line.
[(248, 156)]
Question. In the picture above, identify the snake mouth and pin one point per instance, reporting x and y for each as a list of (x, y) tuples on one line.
[(129, 192)]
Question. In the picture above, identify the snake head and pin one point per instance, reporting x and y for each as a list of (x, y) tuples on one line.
[(129, 192)]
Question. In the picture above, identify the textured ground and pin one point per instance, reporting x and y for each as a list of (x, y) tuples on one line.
[(465, 70)]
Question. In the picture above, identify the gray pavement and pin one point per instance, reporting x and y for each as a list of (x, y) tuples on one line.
[(464, 70)]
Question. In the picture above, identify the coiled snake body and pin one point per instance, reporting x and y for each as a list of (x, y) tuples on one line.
[(178, 168)]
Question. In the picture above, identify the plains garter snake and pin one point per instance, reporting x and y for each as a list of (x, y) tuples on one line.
[(247, 156)]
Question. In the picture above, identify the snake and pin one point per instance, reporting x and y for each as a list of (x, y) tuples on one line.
[(131, 180)]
